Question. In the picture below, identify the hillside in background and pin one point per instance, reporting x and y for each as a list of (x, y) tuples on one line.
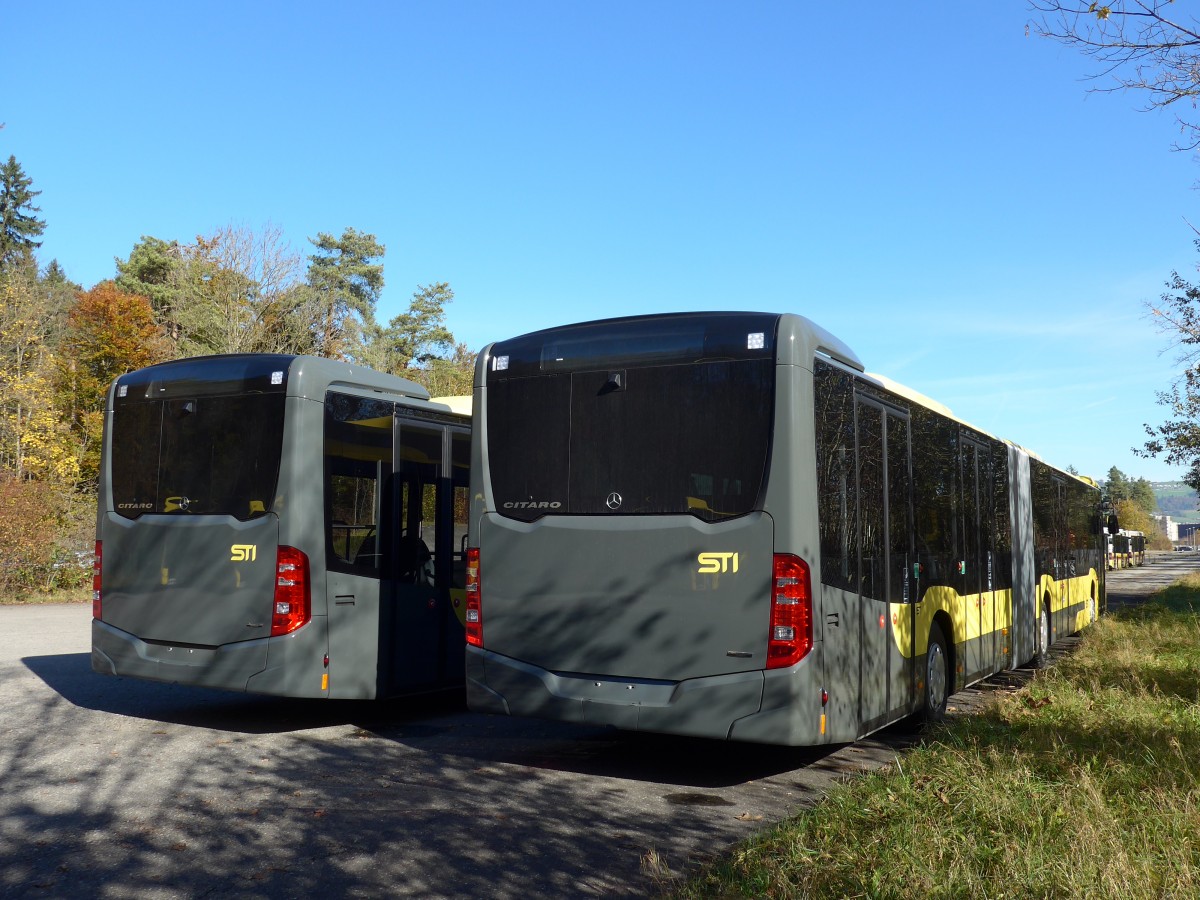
[(1177, 500)]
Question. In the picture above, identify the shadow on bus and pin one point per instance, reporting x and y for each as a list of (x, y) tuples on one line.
[(71, 677)]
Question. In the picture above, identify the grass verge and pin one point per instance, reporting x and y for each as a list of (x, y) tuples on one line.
[(62, 595), (1086, 783)]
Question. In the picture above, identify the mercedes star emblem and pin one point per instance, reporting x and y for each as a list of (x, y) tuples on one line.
[(614, 500)]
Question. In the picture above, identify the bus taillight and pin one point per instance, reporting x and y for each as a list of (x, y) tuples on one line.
[(791, 612), (96, 585), (474, 612), (292, 607)]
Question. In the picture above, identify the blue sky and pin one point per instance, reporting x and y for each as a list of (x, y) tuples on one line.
[(929, 183)]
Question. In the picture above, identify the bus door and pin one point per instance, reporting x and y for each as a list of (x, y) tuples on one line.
[(886, 611), (358, 470), (977, 573), (421, 641)]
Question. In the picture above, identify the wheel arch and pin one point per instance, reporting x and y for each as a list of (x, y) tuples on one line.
[(942, 619)]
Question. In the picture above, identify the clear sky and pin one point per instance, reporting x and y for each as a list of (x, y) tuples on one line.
[(929, 183)]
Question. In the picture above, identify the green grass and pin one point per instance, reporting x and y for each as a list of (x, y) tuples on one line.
[(1086, 783)]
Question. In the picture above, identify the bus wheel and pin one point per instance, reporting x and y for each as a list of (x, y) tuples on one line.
[(1042, 657), (937, 676)]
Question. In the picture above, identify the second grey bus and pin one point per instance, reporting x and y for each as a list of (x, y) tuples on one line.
[(282, 525), (719, 525)]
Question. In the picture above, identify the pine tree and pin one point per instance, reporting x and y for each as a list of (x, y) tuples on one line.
[(19, 227), (346, 274), (419, 336)]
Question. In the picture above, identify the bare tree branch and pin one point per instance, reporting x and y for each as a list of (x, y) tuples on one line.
[(1137, 44)]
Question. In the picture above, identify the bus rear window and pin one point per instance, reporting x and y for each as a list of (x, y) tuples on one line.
[(215, 455), (660, 439)]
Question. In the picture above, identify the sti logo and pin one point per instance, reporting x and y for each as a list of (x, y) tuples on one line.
[(243, 553), (712, 563)]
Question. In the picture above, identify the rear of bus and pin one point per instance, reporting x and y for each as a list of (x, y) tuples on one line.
[(630, 563), (194, 581)]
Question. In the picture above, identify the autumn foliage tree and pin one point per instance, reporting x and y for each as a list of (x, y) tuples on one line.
[(39, 464), (28, 533), (33, 441), (109, 332), (234, 290)]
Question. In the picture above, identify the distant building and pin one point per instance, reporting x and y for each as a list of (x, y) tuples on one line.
[(1169, 526)]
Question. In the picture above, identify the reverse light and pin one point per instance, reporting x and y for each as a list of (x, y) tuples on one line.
[(291, 607), (97, 586), (474, 611), (791, 635)]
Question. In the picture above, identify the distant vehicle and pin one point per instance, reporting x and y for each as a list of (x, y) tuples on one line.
[(718, 524), (1125, 549), (283, 525)]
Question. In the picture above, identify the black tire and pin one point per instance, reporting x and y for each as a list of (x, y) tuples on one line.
[(1043, 636), (938, 676)]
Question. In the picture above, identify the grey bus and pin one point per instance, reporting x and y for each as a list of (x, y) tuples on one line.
[(719, 525), (281, 525)]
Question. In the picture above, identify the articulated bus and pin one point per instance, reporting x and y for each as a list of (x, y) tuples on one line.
[(719, 525), (281, 525)]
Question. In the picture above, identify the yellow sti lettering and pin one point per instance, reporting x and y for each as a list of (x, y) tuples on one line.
[(243, 553), (712, 563)]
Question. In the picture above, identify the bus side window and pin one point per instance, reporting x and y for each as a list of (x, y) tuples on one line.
[(837, 518), (358, 459)]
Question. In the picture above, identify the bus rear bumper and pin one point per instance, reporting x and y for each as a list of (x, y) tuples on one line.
[(265, 666), (699, 707)]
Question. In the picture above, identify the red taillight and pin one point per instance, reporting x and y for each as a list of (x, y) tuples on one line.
[(791, 612), (96, 585), (292, 607), (474, 612)]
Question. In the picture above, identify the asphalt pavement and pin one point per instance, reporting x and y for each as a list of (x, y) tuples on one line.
[(116, 788)]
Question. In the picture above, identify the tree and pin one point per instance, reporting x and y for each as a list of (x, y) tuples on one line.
[(19, 227), (448, 377), (1178, 439), (32, 445), (236, 290), (246, 284), (157, 269), (109, 332), (28, 530), (415, 338), (346, 275), (1116, 487), (1133, 518), (1144, 45), (1141, 493)]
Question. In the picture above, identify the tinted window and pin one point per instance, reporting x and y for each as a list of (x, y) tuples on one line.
[(935, 497), (691, 438), (529, 431), (836, 499), (205, 455), (1003, 523), (639, 341)]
